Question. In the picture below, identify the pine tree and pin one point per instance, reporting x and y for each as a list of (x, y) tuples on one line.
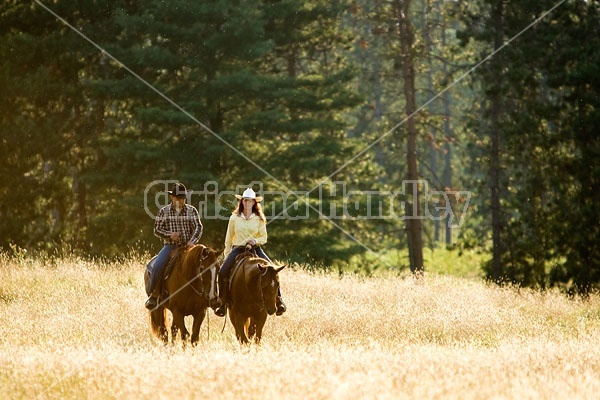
[(539, 162)]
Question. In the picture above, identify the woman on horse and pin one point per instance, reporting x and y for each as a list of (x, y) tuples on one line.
[(177, 224), (247, 227)]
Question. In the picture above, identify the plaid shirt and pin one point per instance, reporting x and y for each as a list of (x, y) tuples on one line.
[(187, 223)]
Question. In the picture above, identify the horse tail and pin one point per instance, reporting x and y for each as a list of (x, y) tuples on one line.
[(157, 323)]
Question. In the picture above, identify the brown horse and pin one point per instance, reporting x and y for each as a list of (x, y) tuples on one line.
[(189, 288), (252, 297)]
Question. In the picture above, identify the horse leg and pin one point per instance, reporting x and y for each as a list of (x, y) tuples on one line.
[(247, 328), (174, 330), (179, 322), (259, 323), (239, 323), (251, 328), (198, 319)]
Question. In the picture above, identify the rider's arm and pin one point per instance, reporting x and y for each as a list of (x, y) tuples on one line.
[(229, 236), (261, 237), (198, 227), (160, 225)]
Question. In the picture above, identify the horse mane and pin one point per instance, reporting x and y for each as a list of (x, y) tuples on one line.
[(254, 273), (257, 260), (192, 258)]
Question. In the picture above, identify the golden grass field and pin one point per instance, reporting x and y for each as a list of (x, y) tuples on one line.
[(74, 329)]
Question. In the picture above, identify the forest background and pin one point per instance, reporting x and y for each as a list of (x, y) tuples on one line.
[(500, 99)]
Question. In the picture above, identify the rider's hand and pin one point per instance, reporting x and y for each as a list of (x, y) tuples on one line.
[(251, 242), (174, 235)]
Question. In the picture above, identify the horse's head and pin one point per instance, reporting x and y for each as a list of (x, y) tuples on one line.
[(209, 257), (202, 257), (269, 282)]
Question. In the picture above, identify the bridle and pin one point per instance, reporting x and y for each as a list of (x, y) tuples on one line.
[(199, 274), (261, 285)]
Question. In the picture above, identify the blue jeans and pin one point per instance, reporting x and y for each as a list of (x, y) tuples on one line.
[(160, 264), (230, 260)]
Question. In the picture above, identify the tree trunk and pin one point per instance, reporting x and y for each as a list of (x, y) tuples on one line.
[(495, 111), (433, 147), (413, 214), (447, 174)]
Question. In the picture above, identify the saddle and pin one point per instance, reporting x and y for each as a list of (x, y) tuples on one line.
[(173, 260)]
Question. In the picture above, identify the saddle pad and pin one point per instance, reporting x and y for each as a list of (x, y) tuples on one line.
[(148, 274)]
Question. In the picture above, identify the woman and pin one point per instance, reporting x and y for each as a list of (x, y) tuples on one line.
[(247, 227)]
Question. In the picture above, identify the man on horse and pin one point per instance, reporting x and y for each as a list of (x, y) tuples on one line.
[(247, 227), (177, 224)]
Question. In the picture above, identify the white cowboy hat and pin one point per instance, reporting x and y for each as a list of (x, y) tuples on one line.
[(249, 194)]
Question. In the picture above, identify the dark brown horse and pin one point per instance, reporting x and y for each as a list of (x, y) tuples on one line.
[(253, 293), (187, 291)]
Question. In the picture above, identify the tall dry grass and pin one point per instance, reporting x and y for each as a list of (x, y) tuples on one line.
[(73, 329)]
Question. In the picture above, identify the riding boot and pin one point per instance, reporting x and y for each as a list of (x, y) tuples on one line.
[(152, 301), (223, 294), (281, 308)]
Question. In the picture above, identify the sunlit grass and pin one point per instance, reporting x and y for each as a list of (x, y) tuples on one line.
[(78, 329)]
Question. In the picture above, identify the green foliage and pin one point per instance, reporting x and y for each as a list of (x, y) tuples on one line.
[(549, 154), (285, 93), (244, 92)]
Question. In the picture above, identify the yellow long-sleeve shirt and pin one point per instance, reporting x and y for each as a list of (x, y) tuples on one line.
[(240, 230)]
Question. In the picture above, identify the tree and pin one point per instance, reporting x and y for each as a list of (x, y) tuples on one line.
[(198, 92), (49, 125), (406, 58), (382, 121), (541, 177), (572, 80)]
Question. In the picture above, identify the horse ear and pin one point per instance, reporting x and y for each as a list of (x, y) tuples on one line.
[(261, 268), (207, 251), (280, 268)]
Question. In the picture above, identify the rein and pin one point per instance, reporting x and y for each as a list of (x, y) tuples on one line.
[(237, 266), (262, 294), (199, 275)]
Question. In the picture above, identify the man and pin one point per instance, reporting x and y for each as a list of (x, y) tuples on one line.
[(178, 224)]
